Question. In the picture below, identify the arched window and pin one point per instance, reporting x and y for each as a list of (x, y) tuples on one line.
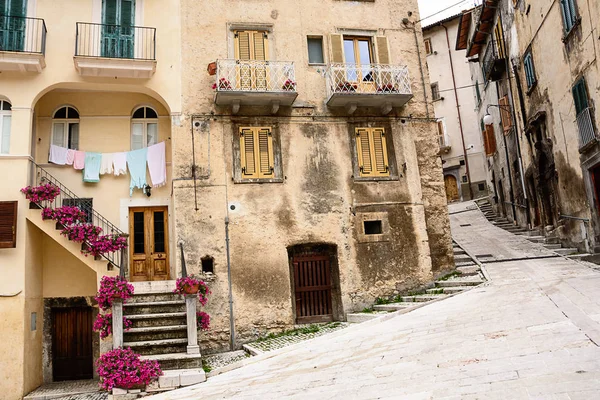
[(65, 128), (144, 128), (5, 112)]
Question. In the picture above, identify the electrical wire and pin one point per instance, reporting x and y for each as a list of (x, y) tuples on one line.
[(441, 11)]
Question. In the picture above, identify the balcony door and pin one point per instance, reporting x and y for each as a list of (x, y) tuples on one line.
[(12, 24), (149, 244), (358, 54), (251, 50), (118, 31)]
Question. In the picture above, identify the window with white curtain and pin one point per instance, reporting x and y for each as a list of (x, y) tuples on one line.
[(65, 128), (5, 120), (144, 128)]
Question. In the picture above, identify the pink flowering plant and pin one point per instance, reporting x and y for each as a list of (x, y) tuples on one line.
[(192, 285), (222, 85), (203, 320), (37, 194), (80, 233), (112, 287), (289, 85), (105, 244), (122, 368), (66, 215), (103, 324)]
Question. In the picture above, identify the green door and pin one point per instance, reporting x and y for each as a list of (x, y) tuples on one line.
[(118, 31), (12, 24)]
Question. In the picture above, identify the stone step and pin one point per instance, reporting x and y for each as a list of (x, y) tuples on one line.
[(459, 252), (176, 360), (581, 256), (553, 246), (566, 252), (458, 282), (357, 318), (464, 264), (155, 333), (536, 239), (154, 297), (160, 319), (469, 270), (421, 298), (393, 306), (450, 290), (154, 307), (162, 346), (462, 258)]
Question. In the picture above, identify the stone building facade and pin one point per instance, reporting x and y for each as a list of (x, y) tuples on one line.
[(461, 145), (542, 104)]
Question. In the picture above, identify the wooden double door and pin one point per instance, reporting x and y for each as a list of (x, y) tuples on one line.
[(72, 349), (149, 244), (312, 285)]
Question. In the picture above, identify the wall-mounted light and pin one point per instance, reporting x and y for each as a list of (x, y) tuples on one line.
[(148, 190)]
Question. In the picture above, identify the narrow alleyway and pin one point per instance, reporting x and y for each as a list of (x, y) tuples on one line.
[(532, 332)]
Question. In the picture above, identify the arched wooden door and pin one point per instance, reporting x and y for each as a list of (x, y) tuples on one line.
[(451, 188)]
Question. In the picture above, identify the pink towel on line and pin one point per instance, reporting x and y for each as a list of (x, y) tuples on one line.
[(157, 164), (79, 161), (70, 157)]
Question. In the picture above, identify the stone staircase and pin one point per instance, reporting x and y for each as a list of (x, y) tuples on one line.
[(466, 276), (534, 236), (159, 330)]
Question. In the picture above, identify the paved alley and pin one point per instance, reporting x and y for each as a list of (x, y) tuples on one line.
[(532, 332)]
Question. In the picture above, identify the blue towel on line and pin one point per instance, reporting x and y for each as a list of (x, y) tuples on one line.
[(136, 163), (91, 170)]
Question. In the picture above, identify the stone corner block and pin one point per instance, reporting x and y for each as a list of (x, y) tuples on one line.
[(193, 349), (192, 377), (168, 381), (119, 392)]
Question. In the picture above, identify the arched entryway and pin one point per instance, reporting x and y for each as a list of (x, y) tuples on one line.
[(451, 188), (315, 282)]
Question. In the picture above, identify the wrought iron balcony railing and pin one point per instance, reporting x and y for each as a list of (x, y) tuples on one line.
[(22, 34), (115, 41), (493, 62), (68, 198), (368, 79), (255, 76), (587, 133)]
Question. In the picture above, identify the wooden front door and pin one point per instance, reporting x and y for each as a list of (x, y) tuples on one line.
[(149, 244), (312, 281), (72, 352), (451, 188)]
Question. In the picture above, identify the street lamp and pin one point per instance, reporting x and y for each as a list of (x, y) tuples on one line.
[(488, 119)]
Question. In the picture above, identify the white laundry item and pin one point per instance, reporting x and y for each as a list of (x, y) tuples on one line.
[(58, 155), (106, 166), (120, 163), (157, 164)]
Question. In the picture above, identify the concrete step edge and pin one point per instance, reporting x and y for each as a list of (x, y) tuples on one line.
[(161, 342), (158, 315)]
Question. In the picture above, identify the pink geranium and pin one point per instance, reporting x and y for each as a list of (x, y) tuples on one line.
[(105, 244), (113, 287), (186, 285), (203, 320), (65, 215), (37, 194), (103, 324), (80, 233), (122, 368)]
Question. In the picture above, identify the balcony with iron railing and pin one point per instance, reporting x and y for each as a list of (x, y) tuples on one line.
[(257, 83), (372, 85), (115, 50), (22, 44), (587, 132), (494, 64)]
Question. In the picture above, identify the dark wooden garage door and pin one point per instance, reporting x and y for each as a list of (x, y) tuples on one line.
[(312, 281), (72, 353)]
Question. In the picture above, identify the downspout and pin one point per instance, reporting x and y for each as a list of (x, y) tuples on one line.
[(462, 135), (524, 116), (420, 66), (508, 167)]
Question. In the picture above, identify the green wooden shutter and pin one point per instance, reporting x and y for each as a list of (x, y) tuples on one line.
[(127, 13), (15, 8), (580, 96), (109, 15)]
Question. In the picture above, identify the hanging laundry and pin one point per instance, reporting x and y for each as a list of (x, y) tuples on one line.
[(91, 172), (136, 162), (106, 167), (79, 160), (157, 164), (120, 163), (70, 156), (58, 155)]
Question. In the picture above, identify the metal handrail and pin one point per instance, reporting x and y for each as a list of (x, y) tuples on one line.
[(255, 76), (23, 34), (367, 79), (41, 176), (115, 41)]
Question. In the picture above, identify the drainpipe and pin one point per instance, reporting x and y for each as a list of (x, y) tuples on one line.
[(231, 323), (462, 135), (524, 116), (510, 182)]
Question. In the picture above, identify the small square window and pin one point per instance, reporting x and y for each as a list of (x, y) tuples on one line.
[(428, 47), (373, 227), (315, 50), (464, 179), (208, 264), (462, 162), (435, 91), (481, 187)]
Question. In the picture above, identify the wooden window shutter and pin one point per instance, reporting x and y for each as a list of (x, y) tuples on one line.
[(383, 51), (110, 12), (265, 151), (337, 48), (491, 140), (248, 156), (242, 45), (259, 46), (580, 96), (499, 37), (380, 152), (486, 145), (363, 149), (8, 224), (505, 113), (371, 149)]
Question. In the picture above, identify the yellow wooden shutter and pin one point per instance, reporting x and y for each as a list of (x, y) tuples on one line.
[(380, 152), (505, 113), (383, 52), (242, 45), (259, 46), (337, 48), (499, 38), (265, 151), (247, 152)]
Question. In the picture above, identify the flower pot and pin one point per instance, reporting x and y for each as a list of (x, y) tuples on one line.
[(212, 68), (192, 289)]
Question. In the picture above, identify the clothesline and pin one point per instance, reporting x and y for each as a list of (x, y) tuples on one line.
[(95, 164)]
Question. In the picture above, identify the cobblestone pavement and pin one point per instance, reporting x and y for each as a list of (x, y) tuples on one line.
[(87, 396), (296, 336), (70, 390), (530, 333), (220, 360)]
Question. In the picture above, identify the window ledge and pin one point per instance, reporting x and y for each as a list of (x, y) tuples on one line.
[(376, 179), (439, 99), (529, 90), (317, 64), (275, 180), (568, 35)]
